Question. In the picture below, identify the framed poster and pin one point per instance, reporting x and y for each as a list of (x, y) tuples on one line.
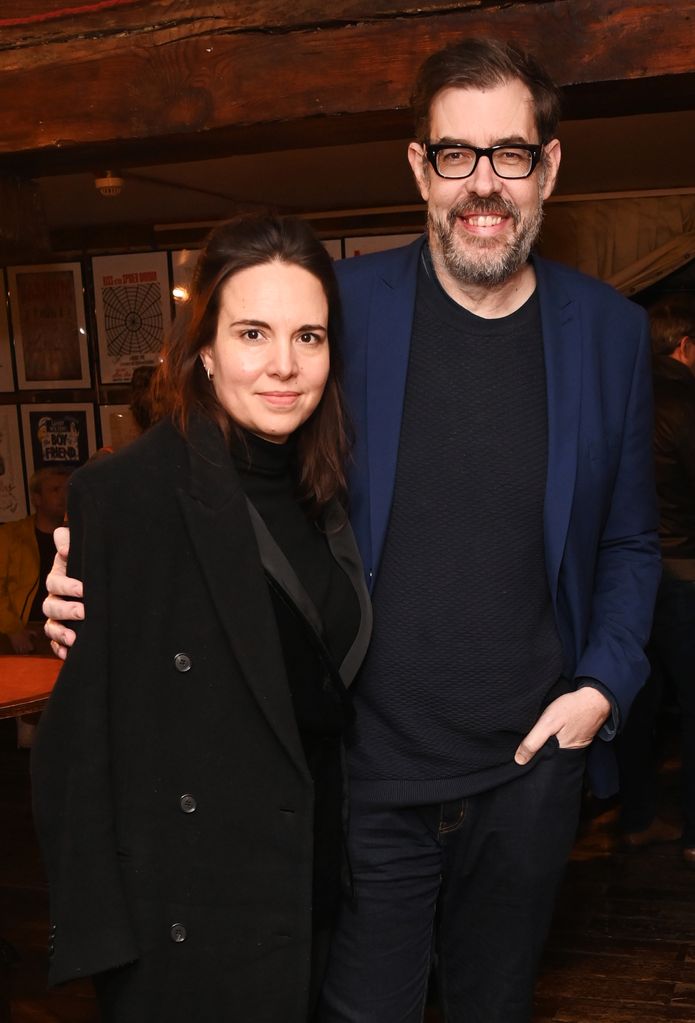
[(58, 435), (133, 311), (334, 247), (48, 323), (118, 427), (13, 502), (6, 375)]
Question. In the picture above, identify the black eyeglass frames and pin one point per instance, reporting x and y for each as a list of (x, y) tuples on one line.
[(459, 160)]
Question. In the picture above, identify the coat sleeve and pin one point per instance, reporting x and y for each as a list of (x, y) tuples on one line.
[(73, 803), (628, 566)]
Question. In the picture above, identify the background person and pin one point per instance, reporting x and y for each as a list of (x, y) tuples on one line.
[(672, 645), (187, 773), (26, 554)]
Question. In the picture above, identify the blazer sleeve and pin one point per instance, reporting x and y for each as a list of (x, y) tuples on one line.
[(73, 804), (628, 566)]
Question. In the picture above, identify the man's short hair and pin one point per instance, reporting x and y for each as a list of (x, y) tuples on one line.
[(38, 477), (485, 64), (671, 319)]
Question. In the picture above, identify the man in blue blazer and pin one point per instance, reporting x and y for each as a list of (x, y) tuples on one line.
[(503, 501)]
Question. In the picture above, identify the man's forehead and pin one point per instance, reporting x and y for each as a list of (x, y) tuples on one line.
[(504, 111)]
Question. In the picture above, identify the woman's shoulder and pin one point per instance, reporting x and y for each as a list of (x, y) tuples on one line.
[(153, 457)]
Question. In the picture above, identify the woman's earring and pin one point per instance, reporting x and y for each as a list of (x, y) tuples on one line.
[(207, 370)]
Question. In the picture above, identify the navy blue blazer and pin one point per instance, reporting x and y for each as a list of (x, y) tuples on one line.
[(600, 513)]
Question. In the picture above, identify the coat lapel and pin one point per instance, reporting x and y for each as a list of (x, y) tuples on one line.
[(390, 327), (343, 546), (215, 512), (562, 344), (344, 549)]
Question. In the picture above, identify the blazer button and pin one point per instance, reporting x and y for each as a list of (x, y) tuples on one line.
[(177, 932), (188, 803), (182, 662)]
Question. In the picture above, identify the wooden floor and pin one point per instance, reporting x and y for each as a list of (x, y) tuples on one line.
[(622, 948)]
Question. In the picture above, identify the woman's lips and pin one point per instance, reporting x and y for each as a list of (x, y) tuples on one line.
[(281, 399)]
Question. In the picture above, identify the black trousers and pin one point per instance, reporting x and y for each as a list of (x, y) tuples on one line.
[(471, 883)]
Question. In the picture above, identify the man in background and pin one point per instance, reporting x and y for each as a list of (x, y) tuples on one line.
[(26, 555), (672, 646)]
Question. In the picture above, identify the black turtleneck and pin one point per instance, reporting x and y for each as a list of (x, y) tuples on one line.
[(268, 474)]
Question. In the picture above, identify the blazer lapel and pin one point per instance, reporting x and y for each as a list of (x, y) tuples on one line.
[(390, 327), (215, 512), (562, 344)]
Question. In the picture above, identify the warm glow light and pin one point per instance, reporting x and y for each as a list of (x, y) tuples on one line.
[(180, 293)]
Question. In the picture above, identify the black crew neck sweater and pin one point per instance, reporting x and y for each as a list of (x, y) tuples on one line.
[(465, 650)]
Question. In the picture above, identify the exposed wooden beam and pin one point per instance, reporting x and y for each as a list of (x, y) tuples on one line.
[(112, 74)]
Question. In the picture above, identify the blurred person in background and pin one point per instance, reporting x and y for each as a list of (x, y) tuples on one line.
[(672, 644)]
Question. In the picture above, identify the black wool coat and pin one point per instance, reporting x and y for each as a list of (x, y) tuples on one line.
[(172, 797)]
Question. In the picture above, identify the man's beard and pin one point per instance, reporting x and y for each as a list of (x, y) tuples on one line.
[(480, 260)]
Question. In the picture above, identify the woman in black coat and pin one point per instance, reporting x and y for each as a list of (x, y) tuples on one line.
[(187, 773)]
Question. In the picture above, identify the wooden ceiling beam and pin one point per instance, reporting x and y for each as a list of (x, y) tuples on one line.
[(233, 74)]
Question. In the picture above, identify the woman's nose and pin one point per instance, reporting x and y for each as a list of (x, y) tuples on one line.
[(284, 362)]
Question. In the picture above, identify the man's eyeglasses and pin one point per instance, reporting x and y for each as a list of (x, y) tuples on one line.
[(456, 160)]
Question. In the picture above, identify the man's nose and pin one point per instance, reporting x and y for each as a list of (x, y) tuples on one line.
[(483, 180)]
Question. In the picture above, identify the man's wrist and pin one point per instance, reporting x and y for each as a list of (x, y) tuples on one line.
[(609, 728)]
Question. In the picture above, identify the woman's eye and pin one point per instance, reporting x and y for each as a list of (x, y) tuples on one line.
[(252, 334), (309, 338)]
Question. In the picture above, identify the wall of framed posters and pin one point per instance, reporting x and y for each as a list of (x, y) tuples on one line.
[(72, 332)]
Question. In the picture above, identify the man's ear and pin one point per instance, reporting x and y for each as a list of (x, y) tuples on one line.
[(552, 154), (420, 169), (681, 350)]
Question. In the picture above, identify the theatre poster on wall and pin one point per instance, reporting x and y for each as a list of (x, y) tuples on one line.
[(48, 324), (58, 436), (133, 312), (13, 504)]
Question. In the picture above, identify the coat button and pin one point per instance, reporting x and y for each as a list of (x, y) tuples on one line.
[(177, 932), (182, 662), (188, 803)]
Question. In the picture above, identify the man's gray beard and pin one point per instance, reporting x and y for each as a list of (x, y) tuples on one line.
[(487, 267)]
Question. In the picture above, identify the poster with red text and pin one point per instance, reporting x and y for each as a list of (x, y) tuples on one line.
[(133, 312)]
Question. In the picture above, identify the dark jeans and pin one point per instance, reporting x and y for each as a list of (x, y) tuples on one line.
[(472, 882), (672, 653)]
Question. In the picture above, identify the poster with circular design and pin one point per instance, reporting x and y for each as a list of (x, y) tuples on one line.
[(133, 311)]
